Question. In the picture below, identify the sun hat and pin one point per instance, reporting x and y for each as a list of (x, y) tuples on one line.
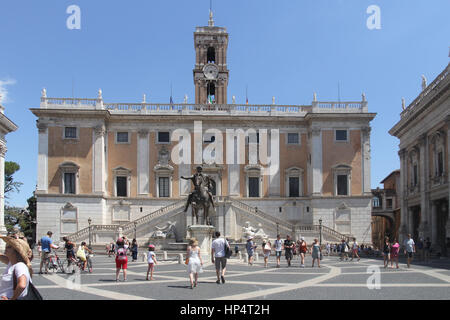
[(249, 237), (302, 238), (21, 247), (151, 246)]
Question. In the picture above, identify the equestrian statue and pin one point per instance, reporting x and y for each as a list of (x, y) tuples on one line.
[(201, 197)]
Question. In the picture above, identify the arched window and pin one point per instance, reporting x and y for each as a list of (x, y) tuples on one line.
[(211, 55)]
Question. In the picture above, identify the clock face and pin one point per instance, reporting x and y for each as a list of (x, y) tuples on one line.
[(211, 71)]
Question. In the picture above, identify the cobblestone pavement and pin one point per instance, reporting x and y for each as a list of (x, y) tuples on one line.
[(334, 280)]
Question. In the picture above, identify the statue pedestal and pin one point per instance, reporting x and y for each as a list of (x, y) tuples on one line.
[(203, 234)]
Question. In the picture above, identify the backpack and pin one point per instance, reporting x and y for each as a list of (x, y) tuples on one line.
[(228, 251), (122, 253)]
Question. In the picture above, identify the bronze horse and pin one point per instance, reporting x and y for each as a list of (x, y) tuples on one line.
[(202, 199)]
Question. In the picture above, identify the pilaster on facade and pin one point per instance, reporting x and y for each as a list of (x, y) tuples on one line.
[(316, 161), (99, 166), (143, 163), (274, 165), (42, 173), (365, 146), (403, 195)]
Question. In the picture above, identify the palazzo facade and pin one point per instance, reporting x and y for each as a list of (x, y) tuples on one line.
[(115, 167), (424, 133)]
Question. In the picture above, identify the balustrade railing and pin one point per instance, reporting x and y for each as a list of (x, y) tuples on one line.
[(185, 108), (128, 226), (265, 216)]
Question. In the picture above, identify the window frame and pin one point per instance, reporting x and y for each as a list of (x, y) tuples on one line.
[(292, 143), (157, 137), (122, 172), (122, 142), (341, 170), (159, 187), (347, 135), (253, 171), (77, 134), (294, 172), (69, 167)]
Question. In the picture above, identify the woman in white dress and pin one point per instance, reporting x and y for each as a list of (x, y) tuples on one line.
[(195, 261)]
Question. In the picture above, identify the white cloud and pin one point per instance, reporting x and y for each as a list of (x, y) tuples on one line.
[(4, 90)]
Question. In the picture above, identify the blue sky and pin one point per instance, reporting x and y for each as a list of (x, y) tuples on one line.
[(287, 49)]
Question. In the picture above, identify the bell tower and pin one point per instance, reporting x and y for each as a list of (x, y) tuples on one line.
[(211, 72)]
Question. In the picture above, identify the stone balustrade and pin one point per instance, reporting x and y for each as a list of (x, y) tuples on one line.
[(196, 109)]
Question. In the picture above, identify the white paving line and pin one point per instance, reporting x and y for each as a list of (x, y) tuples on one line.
[(307, 283), (62, 283), (390, 285), (434, 274)]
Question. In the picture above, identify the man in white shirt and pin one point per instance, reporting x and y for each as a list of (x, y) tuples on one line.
[(218, 256), (355, 249), (410, 248), (278, 244)]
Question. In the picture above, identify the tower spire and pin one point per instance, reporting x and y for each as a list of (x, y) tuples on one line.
[(211, 20)]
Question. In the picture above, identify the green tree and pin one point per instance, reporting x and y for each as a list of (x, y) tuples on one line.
[(11, 185)]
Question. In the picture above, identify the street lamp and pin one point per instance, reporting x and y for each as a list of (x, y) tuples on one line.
[(135, 229), (89, 221), (320, 231)]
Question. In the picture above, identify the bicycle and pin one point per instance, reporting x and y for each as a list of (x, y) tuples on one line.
[(54, 262)]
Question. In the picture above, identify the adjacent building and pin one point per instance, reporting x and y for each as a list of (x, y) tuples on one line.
[(424, 134), (6, 126), (386, 210), (107, 168)]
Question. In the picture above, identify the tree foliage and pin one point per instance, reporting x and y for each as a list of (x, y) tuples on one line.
[(10, 184)]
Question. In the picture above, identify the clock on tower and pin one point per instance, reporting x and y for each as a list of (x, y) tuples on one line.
[(210, 72)]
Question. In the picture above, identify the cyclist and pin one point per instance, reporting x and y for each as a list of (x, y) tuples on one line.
[(70, 247), (81, 253), (47, 245)]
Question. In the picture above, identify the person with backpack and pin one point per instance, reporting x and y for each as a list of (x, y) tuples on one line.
[(220, 250), (121, 259)]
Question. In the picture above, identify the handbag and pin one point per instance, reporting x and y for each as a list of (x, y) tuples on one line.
[(32, 294), (187, 261)]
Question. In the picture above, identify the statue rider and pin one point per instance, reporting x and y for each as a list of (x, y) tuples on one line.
[(204, 179)]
